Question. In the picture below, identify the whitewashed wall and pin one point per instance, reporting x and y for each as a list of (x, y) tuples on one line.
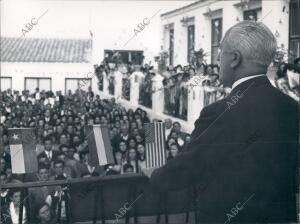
[(58, 72), (272, 15)]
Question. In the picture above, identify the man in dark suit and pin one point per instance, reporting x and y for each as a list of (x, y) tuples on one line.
[(49, 152), (243, 155), (84, 167)]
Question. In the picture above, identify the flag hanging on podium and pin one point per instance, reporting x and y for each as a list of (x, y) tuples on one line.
[(99, 145), (22, 142), (155, 144)]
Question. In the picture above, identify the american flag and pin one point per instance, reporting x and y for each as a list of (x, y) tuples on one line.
[(155, 144)]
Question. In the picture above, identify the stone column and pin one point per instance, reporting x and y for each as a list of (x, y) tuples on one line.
[(158, 100), (195, 103), (135, 87), (105, 84), (118, 84)]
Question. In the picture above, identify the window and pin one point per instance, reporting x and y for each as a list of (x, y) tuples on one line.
[(125, 56), (42, 83), (216, 37), (5, 83), (253, 15), (191, 42), (171, 49), (294, 37), (77, 83)]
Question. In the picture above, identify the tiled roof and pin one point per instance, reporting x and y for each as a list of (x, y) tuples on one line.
[(50, 50)]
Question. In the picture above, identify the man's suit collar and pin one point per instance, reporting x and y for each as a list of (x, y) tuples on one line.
[(238, 82), (250, 83)]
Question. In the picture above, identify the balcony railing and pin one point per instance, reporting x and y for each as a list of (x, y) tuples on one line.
[(103, 198), (183, 105)]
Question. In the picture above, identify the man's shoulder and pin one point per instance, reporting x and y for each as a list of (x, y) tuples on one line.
[(43, 153), (215, 107), (81, 166), (55, 152), (287, 99), (275, 98)]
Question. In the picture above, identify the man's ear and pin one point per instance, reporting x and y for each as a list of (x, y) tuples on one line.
[(236, 59)]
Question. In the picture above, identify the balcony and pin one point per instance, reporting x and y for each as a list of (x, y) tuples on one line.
[(151, 95)]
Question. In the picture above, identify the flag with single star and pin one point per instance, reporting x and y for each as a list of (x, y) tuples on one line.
[(22, 142)]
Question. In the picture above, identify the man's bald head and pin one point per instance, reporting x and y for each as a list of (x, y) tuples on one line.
[(168, 123), (248, 47)]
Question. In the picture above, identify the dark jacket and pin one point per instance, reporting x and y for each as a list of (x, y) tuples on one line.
[(243, 157), (54, 155), (83, 169)]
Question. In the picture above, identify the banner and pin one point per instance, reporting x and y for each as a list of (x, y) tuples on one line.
[(22, 143)]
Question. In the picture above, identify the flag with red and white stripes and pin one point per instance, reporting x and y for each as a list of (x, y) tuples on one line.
[(155, 144), (100, 148), (22, 144)]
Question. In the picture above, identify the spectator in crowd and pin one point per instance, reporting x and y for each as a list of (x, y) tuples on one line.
[(5, 199), (59, 169), (168, 127), (128, 168), (146, 89), (11, 213), (132, 159), (44, 215), (187, 140), (171, 140), (141, 157), (49, 152), (177, 134), (117, 168), (123, 150), (86, 167), (61, 198), (42, 194), (124, 135), (3, 177), (173, 151), (71, 162), (3, 164), (287, 79), (10, 177)]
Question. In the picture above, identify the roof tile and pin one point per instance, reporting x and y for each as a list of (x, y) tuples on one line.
[(45, 50)]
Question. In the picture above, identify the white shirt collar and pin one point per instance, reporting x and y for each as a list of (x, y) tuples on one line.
[(236, 83), (90, 168), (15, 215), (4, 193), (49, 154)]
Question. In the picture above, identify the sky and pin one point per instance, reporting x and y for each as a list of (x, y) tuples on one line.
[(111, 22)]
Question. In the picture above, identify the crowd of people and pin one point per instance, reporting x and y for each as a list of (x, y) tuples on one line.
[(287, 78), (62, 148), (179, 81)]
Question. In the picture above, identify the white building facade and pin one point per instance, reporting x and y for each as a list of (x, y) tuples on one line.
[(203, 24), (47, 64)]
